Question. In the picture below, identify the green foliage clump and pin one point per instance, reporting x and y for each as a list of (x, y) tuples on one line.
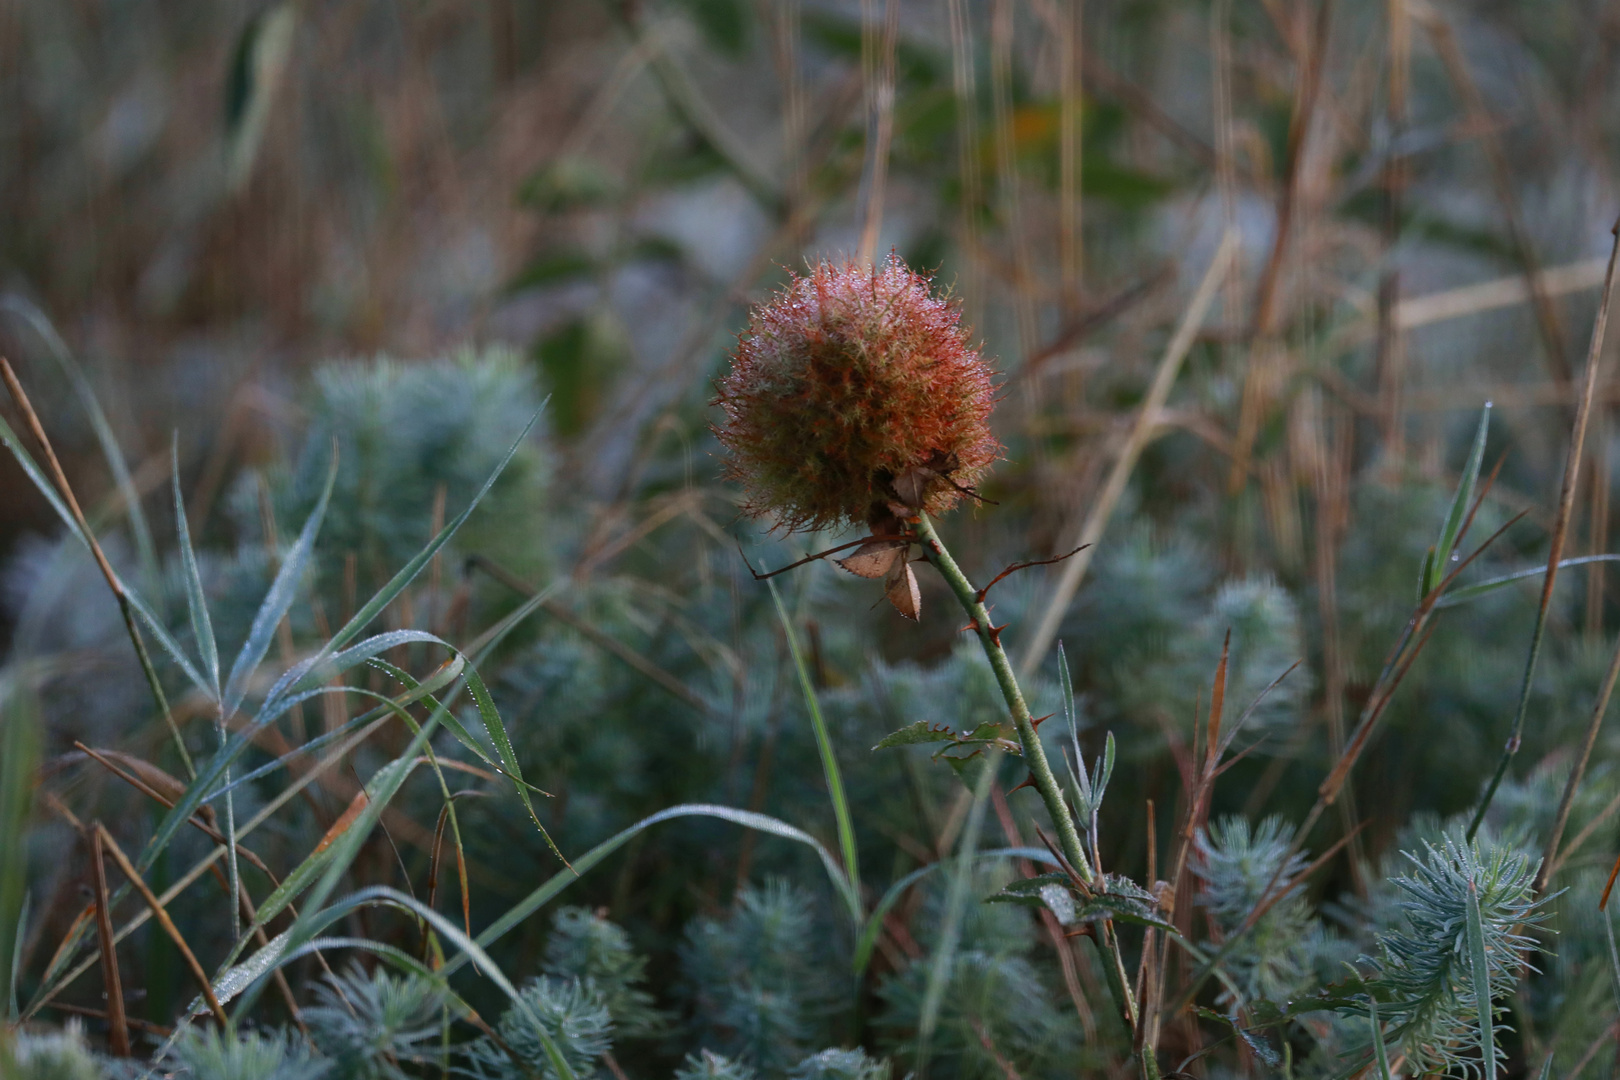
[(586, 947), (407, 436), (1272, 961), (839, 1064), (708, 1065), (214, 1055), (1423, 981), (368, 1025), (999, 1009), (573, 1015), (754, 981), (1147, 634), (47, 1056)]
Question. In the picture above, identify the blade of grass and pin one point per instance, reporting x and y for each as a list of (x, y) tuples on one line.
[(202, 629), (67, 507), (145, 550), (278, 599), (829, 761), (503, 746), (54, 980), (1380, 1054), (584, 863), (1566, 508), (202, 789), (385, 596), (1479, 971), (956, 898), (1483, 588), (559, 881), (1451, 532), (19, 759), (332, 859)]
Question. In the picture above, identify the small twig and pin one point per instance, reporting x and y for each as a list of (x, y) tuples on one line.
[(1599, 708), (104, 838), (1147, 415), (1015, 567), (118, 1027), (819, 555), (1566, 509), (59, 477), (101, 1014)]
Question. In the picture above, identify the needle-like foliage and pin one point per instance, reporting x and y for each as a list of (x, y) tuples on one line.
[(1237, 862), (371, 1026), (1423, 981)]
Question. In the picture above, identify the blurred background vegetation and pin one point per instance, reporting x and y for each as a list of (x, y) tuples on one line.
[(399, 226)]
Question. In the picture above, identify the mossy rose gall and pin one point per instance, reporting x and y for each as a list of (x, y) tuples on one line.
[(852, 389)]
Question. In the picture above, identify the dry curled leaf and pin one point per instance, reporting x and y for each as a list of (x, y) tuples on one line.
[(875, 559), (903, 593)]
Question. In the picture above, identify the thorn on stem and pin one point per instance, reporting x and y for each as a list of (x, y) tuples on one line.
[(1015, 567)]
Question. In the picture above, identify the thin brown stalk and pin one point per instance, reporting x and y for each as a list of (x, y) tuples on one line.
[(1586, 833), (1267, 358), (1578, 771), (101, 1014), (65, 490), (104, 757), (1125, 462), (1198, 796), (1483, 125), (1390, 361), (1299, 124), (117, 1026), (1591, 1051), (105, 839), (880, 73), (1007, 177), (1071, 242), (963, 88), (201, 867), (1566, 510)]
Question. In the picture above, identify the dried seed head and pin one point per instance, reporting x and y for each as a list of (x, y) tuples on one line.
[(854, 388)]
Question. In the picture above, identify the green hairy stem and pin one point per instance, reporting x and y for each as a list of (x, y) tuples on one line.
[(1040, 770)]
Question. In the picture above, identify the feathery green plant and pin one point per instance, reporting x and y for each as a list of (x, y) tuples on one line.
[(1424, 975), (572, 1013), (1272, 962), (756, 981), (372, 1026), (586, 947)]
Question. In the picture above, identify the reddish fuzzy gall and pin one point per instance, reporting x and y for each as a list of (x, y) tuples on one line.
[(851, 390)]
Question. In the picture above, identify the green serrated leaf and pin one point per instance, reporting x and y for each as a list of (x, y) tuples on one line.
[(1031, 886), (915, 734)]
